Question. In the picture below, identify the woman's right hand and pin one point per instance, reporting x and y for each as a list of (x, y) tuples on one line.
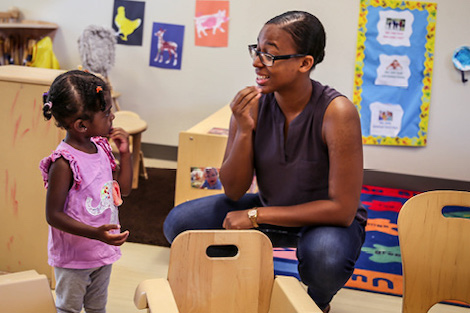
[(245, 107), (236, 173)]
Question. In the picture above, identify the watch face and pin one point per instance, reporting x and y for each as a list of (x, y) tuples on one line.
[(253, 216)]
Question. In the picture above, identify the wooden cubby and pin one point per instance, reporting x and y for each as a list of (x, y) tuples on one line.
[(18, 37)]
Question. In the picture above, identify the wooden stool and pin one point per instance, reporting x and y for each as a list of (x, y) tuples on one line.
[(134, 125)]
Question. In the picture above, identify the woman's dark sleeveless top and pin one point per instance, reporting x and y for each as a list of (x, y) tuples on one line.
[(295, 169)]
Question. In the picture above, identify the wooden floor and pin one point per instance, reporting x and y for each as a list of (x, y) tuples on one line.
[(140, 262)]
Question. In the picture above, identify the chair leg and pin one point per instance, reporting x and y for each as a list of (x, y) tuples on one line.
[(136, 159), (143, 170)]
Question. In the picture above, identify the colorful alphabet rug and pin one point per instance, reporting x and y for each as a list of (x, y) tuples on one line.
[(378, 268)]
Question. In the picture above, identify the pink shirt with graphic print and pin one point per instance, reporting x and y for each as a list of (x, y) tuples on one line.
[(92, 200)]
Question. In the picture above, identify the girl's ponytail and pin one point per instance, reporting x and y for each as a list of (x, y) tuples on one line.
[(47, 107)]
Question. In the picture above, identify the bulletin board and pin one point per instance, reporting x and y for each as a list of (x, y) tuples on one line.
[(393, 71)]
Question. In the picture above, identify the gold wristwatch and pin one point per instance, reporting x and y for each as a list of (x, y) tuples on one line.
[(253, 215)]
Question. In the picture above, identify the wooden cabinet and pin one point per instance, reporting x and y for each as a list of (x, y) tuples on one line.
[(198, 147), (28, 139)]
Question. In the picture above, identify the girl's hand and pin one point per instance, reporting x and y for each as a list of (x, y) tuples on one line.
[(106, 235), (121, 139), (244, 106), (237, 220), (124, 175)]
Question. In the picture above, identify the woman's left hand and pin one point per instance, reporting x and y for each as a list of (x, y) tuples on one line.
[(237, 220), (121, 139)]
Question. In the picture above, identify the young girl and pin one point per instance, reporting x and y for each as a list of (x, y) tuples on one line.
[(82, 196)]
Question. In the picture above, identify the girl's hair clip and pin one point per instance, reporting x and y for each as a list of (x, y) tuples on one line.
[(48, 104), (98, 89), (45, 94)]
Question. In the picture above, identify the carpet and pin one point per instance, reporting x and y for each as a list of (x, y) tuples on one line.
[(145, 209), (378, 268)]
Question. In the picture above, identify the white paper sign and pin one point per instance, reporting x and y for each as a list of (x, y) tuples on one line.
[(395, 28), (385, 119), (394, 70)]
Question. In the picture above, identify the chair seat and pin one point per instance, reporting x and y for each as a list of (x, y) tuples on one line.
[(129, 121), (135, 126)]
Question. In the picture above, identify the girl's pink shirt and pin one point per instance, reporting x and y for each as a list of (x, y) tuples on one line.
[(91, 200)]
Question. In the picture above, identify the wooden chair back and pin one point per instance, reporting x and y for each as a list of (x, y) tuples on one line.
[(26, 292), (434, 250), (237, 282)]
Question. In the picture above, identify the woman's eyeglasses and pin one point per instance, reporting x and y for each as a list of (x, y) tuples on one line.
[(267, 58)]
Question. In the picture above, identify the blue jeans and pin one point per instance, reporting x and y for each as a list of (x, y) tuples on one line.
[(326, 254)]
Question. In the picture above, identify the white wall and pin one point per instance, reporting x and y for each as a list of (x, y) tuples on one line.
[(172, 100)]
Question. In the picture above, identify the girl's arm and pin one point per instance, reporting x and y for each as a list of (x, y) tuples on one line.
[(236, 173), (59, 182), (124, 176), (342, 133)]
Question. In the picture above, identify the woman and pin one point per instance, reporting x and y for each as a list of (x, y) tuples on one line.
[(303, 142)]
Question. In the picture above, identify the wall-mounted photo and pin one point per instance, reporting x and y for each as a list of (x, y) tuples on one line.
[(205, 178)]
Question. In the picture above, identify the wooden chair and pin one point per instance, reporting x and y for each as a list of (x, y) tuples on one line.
[(26, 292), (97, 50), (242, 280), (434, 250), (135, 126)]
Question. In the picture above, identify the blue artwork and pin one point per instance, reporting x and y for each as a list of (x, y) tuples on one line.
[(408, 97), (461, 59), (128, 22), (166, 49), (394, 64)]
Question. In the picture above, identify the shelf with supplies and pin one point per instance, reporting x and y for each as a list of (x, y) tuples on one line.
[(29, 28), (17, 38)]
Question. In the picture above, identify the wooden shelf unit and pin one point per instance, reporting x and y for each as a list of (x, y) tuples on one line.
[(19, 34)]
